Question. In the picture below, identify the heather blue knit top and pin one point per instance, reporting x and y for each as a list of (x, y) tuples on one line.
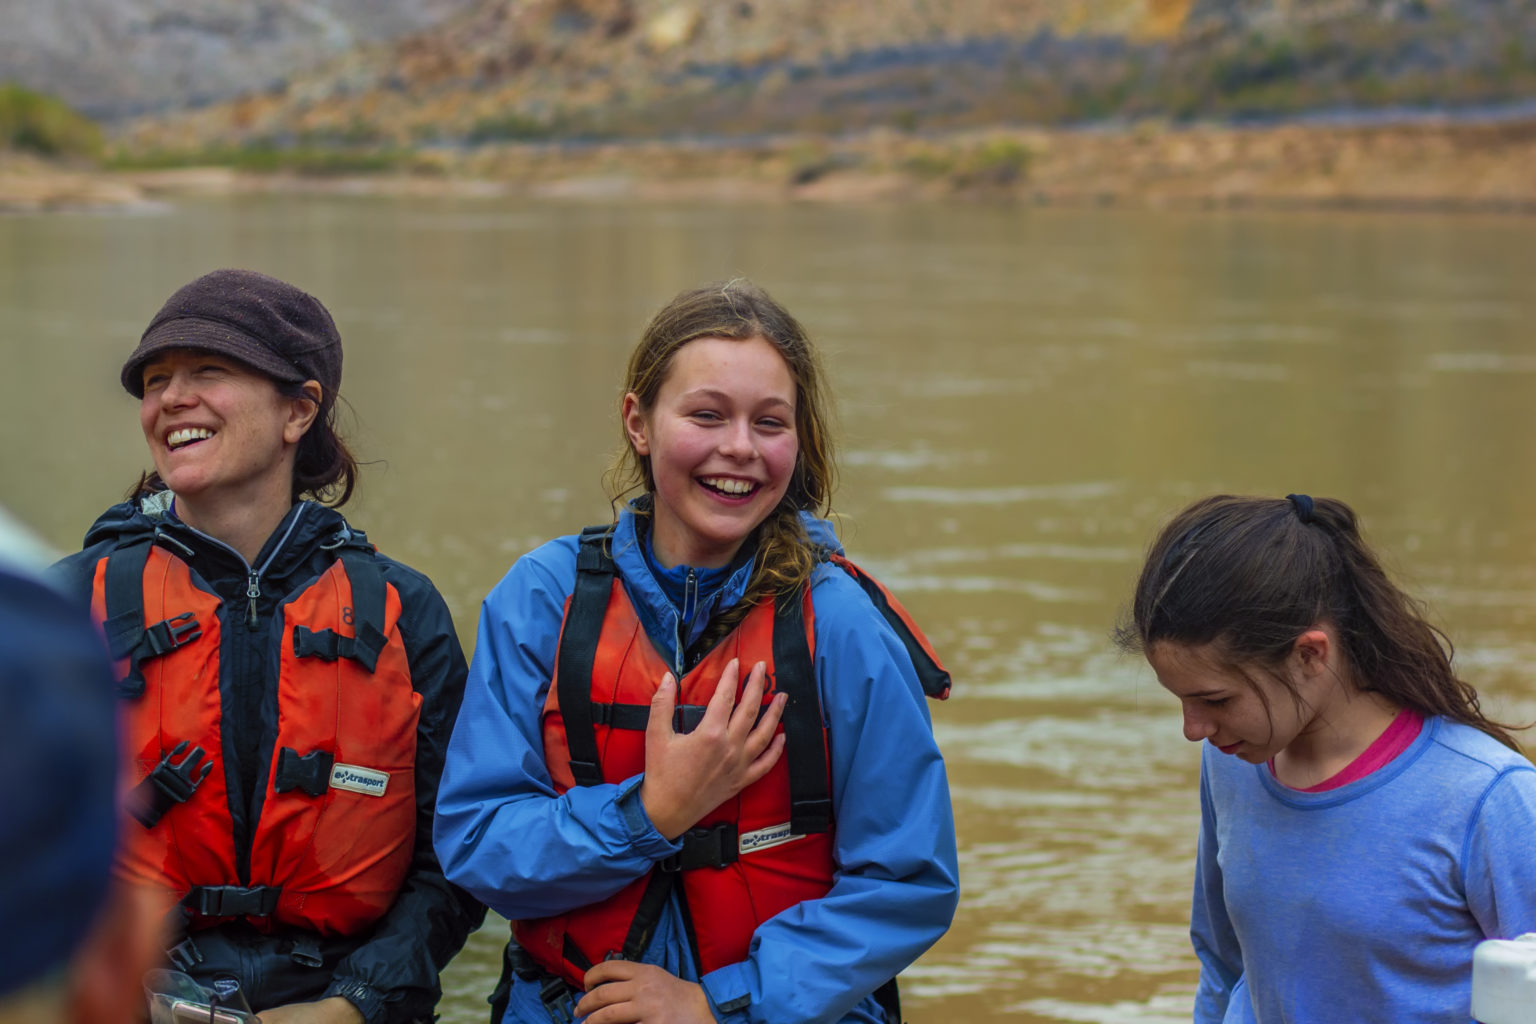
[(1363, 902)]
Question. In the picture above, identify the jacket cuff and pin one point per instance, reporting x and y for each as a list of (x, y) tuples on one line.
[(368, 1000), (729, 991), (642, 833)]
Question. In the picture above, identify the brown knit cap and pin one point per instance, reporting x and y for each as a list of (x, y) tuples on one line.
[(265, 323)]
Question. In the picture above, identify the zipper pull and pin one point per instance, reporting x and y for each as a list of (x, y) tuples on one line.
[(252, 592), (690, 596)]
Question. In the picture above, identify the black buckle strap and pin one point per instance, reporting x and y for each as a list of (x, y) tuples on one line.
[(705, 846), (635, 717), (328, 645), (805, 747), (184, 955), (127, 635), (309, 772), (366, 580), (232, 900), (578, 648), (554, 993), (169, 784), (168, 634)]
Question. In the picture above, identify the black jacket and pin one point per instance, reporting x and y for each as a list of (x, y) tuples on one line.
[(391, 972)]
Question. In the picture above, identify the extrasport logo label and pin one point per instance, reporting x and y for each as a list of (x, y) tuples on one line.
[(357, 779), (766, 838)]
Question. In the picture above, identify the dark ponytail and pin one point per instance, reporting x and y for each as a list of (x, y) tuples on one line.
[(1250, 575)]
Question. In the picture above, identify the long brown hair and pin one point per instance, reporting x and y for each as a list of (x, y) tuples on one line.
[(739, 310), (324, 468), (1250, 575)]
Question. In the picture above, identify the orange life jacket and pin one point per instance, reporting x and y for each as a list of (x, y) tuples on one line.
[(333, 840), (761, 852)]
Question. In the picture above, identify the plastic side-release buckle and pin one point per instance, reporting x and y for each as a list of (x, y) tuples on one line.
[(713, 846), (232, 900), (184, 955), (170, 783), (555, 993), (309, 772), (168, 634)]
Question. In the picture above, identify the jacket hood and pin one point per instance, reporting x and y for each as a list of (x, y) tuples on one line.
[(660, 617), (307, 525)]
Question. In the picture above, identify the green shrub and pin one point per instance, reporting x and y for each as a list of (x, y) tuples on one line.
[(996, 163), (264, 156), (44, 125), (508, 127)]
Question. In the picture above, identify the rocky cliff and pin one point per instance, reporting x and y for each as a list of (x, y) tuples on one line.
[(112, 58), (486, 71)]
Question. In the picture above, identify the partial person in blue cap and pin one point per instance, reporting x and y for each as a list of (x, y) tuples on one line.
[(72, 948), (286, 691)]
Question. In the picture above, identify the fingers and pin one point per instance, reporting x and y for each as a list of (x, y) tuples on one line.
[(761, 765), (747, 708), (723, 700), (663, 703)]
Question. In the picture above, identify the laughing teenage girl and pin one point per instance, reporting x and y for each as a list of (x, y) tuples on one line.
[(695, 765), (1363, 824), (287, 692)]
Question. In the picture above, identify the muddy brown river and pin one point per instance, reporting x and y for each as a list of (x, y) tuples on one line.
[(1023, 394)]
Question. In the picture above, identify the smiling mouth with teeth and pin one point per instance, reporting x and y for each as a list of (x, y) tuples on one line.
[(185, 436), (729, 487)]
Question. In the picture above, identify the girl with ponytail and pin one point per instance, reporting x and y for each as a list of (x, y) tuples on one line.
[(1364, 824), (682, 728)]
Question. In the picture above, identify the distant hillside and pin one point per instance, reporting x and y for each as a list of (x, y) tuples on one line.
[(506, 70), (114, 58)]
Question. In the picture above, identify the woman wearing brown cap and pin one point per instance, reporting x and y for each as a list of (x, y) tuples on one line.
[(287, 691)]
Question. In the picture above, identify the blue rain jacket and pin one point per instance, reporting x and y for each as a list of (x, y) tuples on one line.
[(503, 834)]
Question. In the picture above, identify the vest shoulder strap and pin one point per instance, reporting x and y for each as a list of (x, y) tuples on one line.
[(595, 573), (931, 672), (366, 578), (127, 634), (805, 747)]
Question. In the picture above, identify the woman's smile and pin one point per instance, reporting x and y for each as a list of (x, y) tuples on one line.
[(722, 446)]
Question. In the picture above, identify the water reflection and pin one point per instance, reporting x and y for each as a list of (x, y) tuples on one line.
[(1024, 396)]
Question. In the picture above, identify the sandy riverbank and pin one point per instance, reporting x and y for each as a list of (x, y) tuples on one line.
[(1428, 165)]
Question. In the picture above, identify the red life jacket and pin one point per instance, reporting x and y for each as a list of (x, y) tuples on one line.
[(761, 852), (337, 823)]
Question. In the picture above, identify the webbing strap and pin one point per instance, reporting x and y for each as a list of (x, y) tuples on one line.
[(232, 900), (648, 915), (805, 751), (367, 582), (578, 649), (126, 633), (636, 717), (932, 675), (705, 846)]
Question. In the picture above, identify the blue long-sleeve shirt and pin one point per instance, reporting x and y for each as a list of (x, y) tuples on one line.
[(1362, 902), (506, 836)]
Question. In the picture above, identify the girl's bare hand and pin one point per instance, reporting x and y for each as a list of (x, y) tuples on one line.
[(687, 775), (620, 992)]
